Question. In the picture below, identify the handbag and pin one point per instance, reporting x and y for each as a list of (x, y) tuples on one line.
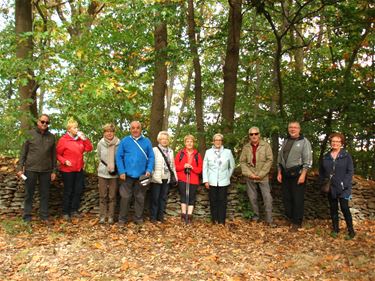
[(112, 173), (325, 187), (172, 181)]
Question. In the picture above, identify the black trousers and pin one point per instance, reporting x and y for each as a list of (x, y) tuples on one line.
[(334, 210), (218, 203), (44, 179), (293, 199), (183, 195), (73, 188), (159, 195)]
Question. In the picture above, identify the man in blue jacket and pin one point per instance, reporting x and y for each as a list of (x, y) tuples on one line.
[(134, 158)]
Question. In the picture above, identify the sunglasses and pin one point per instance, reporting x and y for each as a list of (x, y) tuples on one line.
[(253, 134), (44, 122)]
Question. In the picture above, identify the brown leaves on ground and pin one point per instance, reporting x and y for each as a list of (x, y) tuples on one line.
[(242, 250)]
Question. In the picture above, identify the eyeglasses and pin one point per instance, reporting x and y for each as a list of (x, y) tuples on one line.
[(44, 122), (253, 134), (218, 140)]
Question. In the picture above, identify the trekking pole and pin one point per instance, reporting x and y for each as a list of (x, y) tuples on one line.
[(187, 190)]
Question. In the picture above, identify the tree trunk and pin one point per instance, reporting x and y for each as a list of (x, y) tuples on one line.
[(298, 53), (231, 65), (197, 79), (24, 51), (183, 104), (160, 81), (169, 94)]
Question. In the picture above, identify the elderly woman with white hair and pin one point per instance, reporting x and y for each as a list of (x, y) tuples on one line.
[(218, 166), (163, 176)]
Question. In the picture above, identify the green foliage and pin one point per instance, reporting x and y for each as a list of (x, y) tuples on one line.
[(15, 226), (244, 205)]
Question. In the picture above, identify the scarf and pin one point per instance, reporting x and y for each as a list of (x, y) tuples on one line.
[(111, 152)]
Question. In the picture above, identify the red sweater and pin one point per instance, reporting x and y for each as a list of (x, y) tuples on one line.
[(72, 149), (195, 171)]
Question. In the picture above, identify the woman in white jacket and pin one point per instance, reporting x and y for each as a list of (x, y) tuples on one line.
[(218, 166), (161, 177)]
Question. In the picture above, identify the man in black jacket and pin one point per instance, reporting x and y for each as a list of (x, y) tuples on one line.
[(38, 163)]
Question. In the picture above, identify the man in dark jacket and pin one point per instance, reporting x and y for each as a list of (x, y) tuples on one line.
[(38, 163)]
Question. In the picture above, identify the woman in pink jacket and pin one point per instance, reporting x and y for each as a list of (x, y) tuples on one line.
[(70, 149)]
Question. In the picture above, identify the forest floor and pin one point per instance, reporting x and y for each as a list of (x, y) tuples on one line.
[(242, 250)]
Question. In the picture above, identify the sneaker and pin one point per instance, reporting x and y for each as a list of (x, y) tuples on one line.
[(294, 228), (76, 215), (67, 218), (121, 223), (102, 220), (272, 224), (255, 218), (334, 234), (27, 219), (110, 220)]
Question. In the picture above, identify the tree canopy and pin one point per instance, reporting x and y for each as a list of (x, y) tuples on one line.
[(99, 62)]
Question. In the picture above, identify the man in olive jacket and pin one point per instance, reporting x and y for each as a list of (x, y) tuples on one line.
[(256, 162), (38, 163)]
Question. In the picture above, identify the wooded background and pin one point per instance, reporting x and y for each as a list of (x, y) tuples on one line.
[(197, 67)]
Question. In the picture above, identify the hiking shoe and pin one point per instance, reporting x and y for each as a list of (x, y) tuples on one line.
[(102, 220), (351, 234), (110, 220)]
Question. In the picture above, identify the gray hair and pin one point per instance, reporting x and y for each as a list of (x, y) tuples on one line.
[(136, 122), (218, 135), (254, 128), (162, 133)]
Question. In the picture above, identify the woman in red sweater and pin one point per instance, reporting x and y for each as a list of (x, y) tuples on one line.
[(188, 160), (70, 149)]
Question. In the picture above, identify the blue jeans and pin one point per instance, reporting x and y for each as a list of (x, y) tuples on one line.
[(159, 195), (73, 188), (44, 179)]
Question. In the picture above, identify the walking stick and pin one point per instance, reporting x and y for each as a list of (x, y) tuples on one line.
[(187, 190)]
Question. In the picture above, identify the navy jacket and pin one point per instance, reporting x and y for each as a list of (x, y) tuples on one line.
[(341, 183)]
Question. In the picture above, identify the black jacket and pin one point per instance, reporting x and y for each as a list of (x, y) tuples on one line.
[(38, 153), (341, 183)]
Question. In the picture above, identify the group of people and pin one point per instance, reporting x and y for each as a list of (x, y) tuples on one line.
[(130, 166)]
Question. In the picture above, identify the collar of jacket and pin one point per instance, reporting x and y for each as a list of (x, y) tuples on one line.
[(342, 154), (301, 137), (40, 131)]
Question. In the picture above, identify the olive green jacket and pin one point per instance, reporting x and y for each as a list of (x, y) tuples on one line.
[(263, 164)]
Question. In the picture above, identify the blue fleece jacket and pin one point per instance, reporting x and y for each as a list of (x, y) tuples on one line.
[(131, 161)]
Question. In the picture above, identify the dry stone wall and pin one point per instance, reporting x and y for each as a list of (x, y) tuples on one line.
[(316, 205)]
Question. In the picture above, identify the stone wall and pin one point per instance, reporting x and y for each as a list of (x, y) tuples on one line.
[(316, 205)]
